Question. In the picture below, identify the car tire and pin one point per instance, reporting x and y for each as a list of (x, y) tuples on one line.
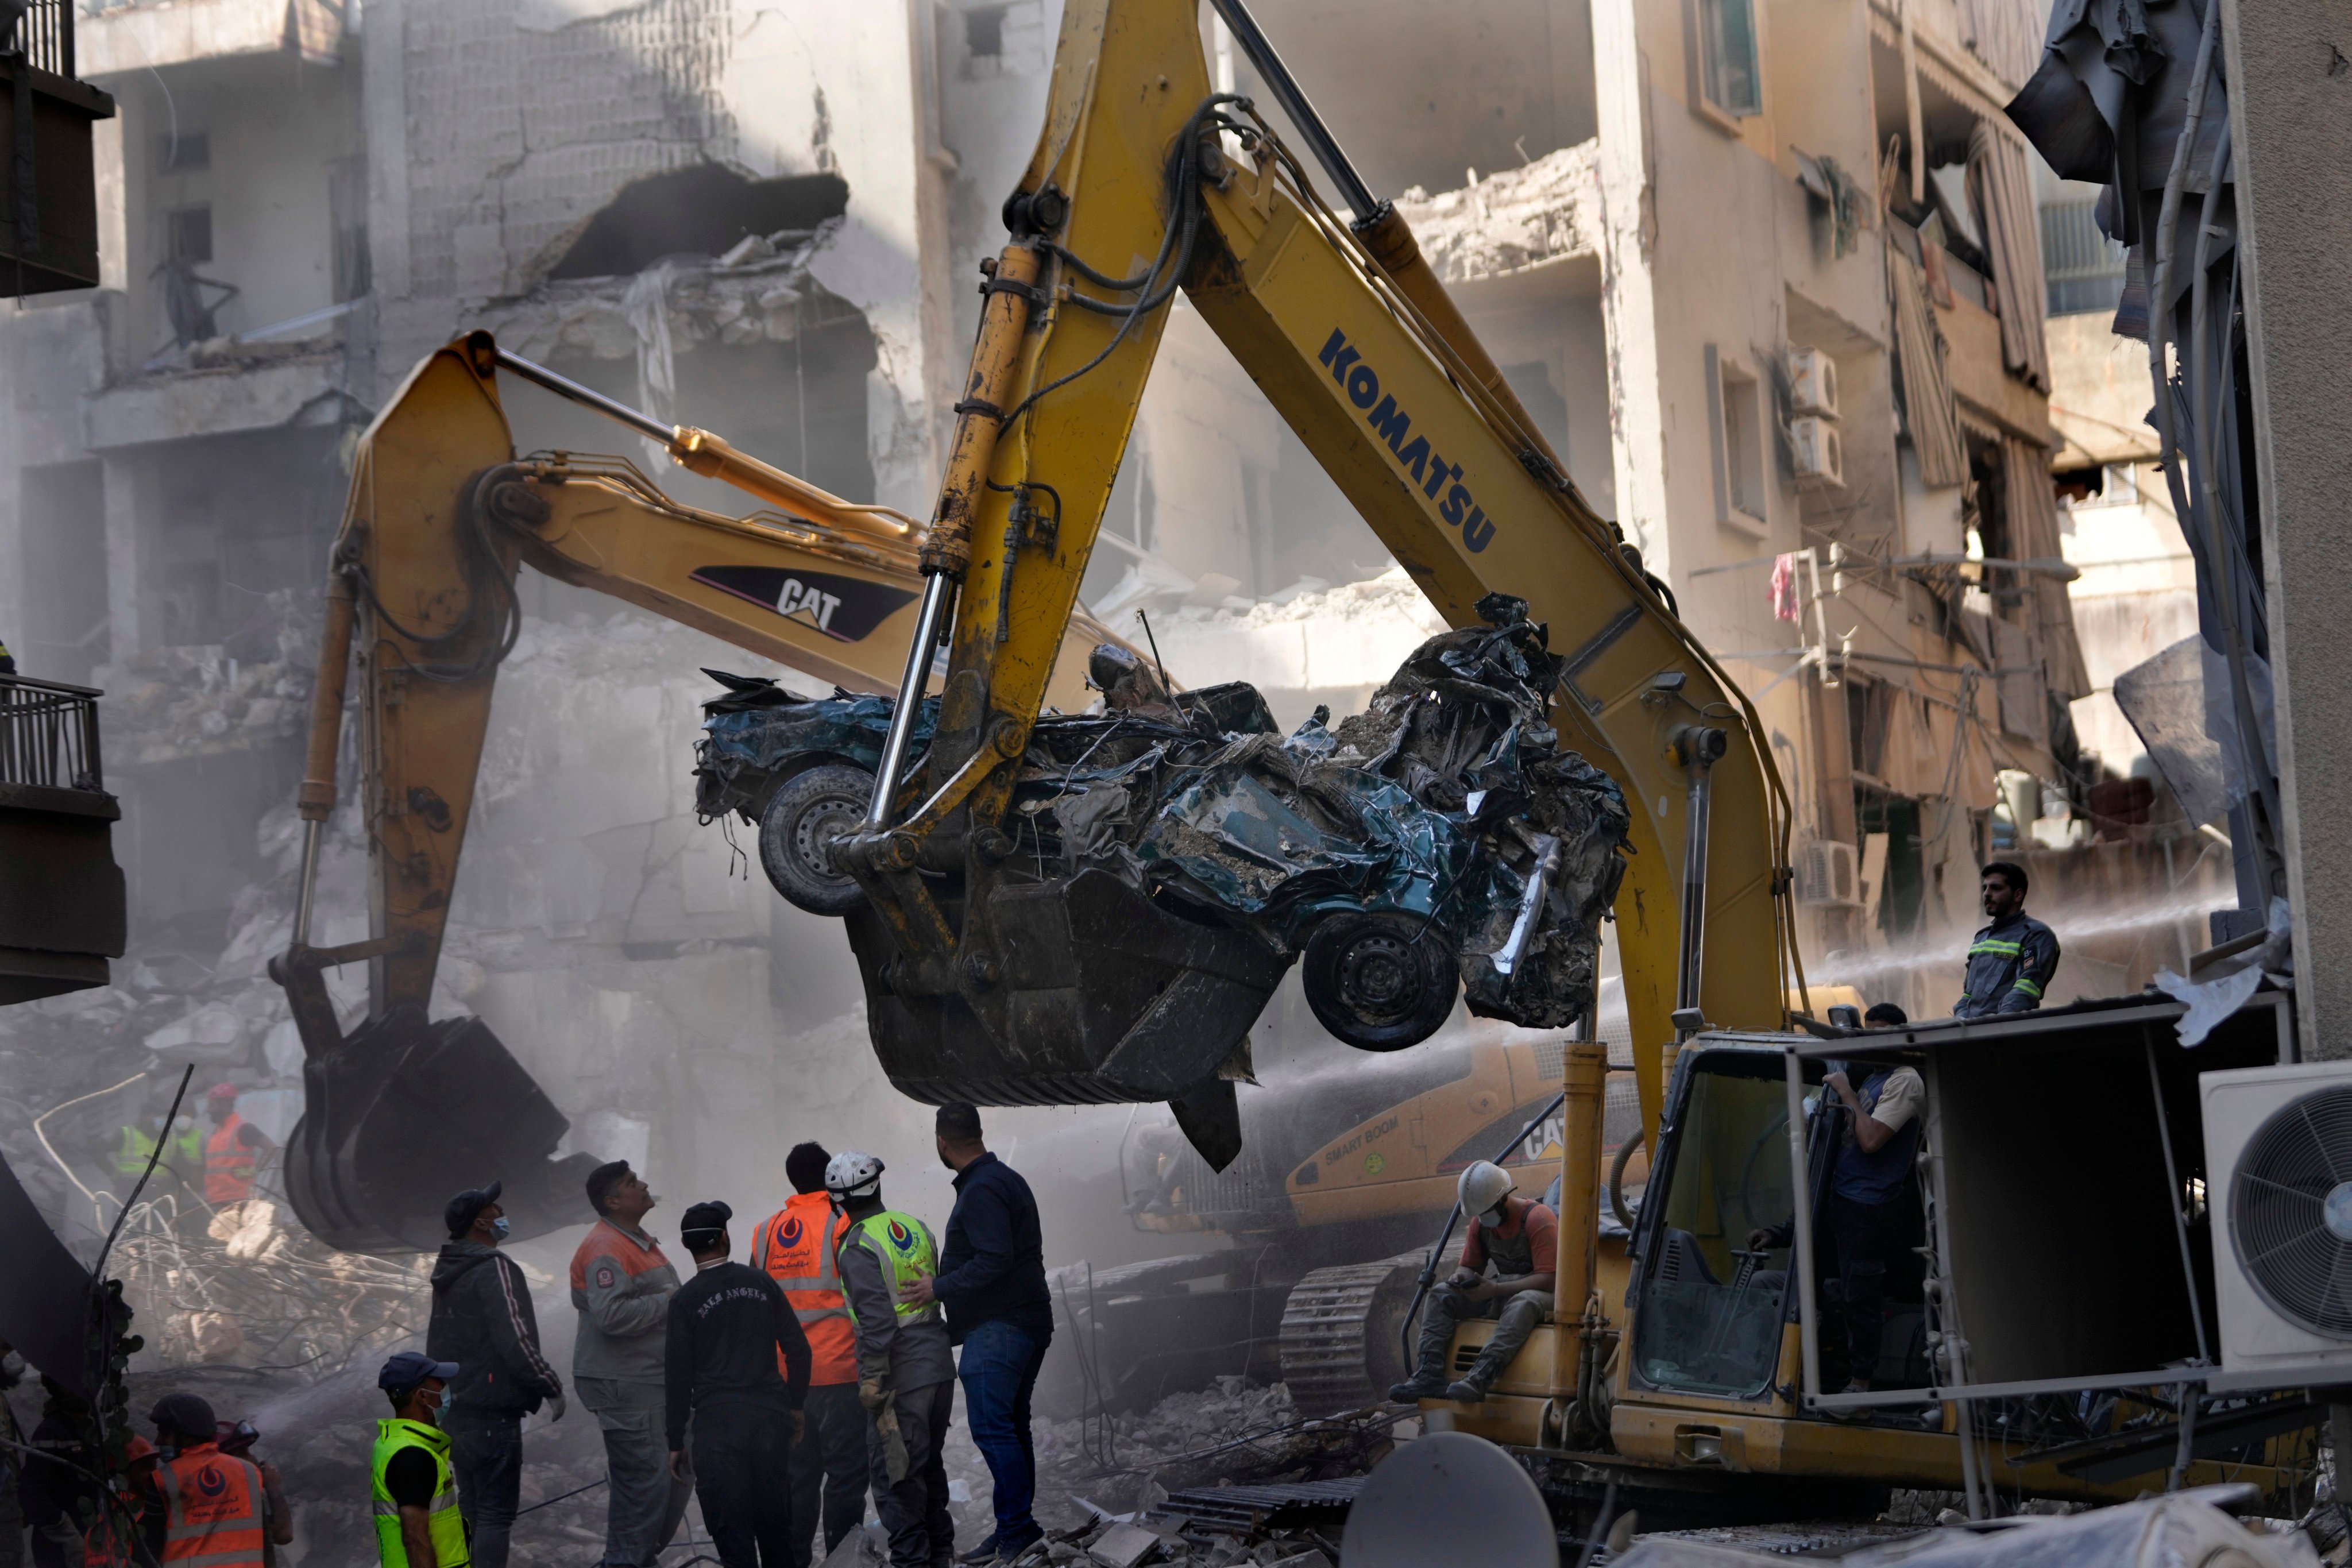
[(797, 828), (1380, 982)]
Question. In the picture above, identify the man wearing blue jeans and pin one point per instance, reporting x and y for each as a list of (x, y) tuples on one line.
[(992, 1281)]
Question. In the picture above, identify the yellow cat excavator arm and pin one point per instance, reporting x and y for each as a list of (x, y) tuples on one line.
[(1355, 343), (442, 510)]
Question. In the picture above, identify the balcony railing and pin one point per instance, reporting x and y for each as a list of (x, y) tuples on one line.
[(46, 36), (48, 734)]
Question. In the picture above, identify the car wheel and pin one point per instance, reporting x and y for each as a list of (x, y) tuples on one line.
[(804, 817), (1380, 982)]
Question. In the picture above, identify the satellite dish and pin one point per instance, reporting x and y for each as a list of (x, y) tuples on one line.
[(1447, 1499)]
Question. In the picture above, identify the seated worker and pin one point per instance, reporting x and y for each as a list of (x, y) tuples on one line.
[(2012, 961), (1521, 1238), (1863, 1218)]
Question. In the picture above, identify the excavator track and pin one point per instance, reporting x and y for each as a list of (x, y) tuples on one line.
[(1341, 1349)]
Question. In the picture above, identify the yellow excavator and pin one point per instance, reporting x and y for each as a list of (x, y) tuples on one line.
[(1683, 1359), (421, 586)]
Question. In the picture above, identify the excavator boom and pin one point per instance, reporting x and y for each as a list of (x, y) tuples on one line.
[(1354, 343), (421, 591)]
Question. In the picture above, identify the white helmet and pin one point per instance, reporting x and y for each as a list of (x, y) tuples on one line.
[(850, 1174), (1483, 1186)]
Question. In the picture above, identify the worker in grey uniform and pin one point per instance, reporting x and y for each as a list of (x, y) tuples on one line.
[(905, 1371), (2012, 961)]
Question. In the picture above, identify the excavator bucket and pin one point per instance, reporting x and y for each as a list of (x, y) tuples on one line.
[(401, 1115), (1104, 995)]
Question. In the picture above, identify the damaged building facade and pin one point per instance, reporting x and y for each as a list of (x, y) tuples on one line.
[(1769, 282)]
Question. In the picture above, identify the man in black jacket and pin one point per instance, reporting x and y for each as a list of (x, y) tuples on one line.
[(727, 1327), (992, 1280), (482, 1319)]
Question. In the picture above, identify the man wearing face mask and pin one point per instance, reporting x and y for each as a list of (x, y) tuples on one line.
[(1521, 1240), (482, 1319), (417, 1524)]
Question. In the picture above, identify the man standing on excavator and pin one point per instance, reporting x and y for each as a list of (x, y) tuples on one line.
[(2012, 961), (1521, 1239)]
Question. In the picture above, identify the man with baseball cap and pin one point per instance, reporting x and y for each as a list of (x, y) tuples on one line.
[(482, 1319), (621, 1286), (215, 1510), (418, 1523), (728, 1326)]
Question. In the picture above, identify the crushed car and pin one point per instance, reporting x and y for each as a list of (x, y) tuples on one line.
[(1441, 843)]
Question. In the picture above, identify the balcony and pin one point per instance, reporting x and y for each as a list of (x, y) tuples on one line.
[(62, 894), (48, 223)]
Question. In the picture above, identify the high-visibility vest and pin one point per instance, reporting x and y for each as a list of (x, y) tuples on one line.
[(112, 1542), (182, 1153), (797, 1247), (904, 1245), (229, 1164), (447, 1525), (212, 1510)]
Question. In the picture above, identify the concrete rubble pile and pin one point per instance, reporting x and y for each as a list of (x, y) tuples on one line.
[(249, 690), (1512, 219)]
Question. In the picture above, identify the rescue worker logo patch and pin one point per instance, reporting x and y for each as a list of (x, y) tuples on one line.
[(900, 1236), (605, 1277), (210, 1481), (791, 1233)]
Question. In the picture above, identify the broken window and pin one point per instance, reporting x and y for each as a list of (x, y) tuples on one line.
[(188, 234), (1712, 1303), (1736, 420), (1532, 383), (701, 210), (1731, 70)]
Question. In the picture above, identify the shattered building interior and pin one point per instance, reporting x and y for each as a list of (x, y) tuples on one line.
[(1800, 309)]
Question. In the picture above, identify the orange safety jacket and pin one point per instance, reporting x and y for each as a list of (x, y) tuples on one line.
[(229, 1166), (212, 1510), (795, 1247)]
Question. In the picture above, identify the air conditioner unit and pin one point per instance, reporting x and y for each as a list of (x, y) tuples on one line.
[(2275, 1140), (1812, 383), (1829, 875), (1820, 455)]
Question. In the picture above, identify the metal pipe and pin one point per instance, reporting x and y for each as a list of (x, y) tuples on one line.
[(316, 798), (644, 425), (2174, 1190), (1700, 748), (1292, 98), (939, 597), (1583, 1096), (1801, 1211), (1539, 875)]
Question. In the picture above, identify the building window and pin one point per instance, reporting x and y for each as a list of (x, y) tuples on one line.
[(2118, 486), (2083, 267), (1730, 67), (1734, 417), (983, 32), (185, 153), (189, 233)]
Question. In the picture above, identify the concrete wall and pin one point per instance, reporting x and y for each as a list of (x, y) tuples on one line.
[(2290, 117)]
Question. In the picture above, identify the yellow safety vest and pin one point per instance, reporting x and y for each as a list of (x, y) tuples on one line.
[(448, 1530), (184, 1154), (908, 1254)]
